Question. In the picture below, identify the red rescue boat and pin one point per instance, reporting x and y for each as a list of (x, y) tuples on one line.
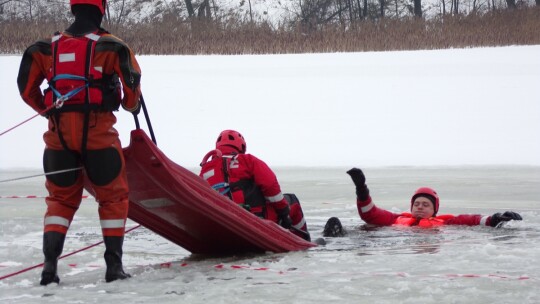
[(178, 205)]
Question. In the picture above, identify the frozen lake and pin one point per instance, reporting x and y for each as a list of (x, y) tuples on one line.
[(382, 265)]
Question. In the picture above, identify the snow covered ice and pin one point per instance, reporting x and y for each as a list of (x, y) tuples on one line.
[(469, 106)]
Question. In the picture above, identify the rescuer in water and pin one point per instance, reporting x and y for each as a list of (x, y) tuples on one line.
[(423, 211)]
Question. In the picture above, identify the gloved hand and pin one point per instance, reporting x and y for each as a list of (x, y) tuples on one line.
[(284, 220), (357, 176), (359, 180), (498, 218)]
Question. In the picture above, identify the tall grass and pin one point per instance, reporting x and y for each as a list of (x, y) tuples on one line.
[(497, 28)]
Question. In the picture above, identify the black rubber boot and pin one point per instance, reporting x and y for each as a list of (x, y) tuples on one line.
[(53, 243), (113, 258), (306, 236)]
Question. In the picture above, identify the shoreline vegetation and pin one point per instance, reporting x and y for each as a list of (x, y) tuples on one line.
[(195, 37)]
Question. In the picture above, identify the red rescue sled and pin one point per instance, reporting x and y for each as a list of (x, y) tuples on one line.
[(180, 206)]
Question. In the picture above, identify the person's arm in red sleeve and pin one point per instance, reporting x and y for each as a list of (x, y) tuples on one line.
[(374, 215), (367, 210), (267, 181), (125, 65), (35, 63), (483, 220)]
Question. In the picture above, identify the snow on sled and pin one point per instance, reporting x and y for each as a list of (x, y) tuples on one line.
[(180, 206)]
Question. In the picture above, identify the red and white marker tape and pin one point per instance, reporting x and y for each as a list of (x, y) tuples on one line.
[(31, 196)]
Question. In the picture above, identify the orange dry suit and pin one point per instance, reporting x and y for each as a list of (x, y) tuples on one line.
[(249, 182), (84, 75)]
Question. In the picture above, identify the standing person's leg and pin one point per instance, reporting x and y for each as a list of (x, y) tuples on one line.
[(65, 194), (106, 171)]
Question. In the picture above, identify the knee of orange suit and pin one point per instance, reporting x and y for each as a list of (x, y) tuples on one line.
[(103, 165), (58, 160)]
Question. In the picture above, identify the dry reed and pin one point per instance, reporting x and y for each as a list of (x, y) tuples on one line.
[(171, 36)]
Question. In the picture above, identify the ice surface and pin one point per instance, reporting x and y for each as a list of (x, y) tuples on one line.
[(382, 265)]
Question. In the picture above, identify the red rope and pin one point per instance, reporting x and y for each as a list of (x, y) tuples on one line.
[(27, 120), (64, 256)]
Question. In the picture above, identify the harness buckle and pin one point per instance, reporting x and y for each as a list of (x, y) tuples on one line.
[(60, 101)]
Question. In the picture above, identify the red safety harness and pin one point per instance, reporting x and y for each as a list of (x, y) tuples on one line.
[(74, 81), (242, 191)]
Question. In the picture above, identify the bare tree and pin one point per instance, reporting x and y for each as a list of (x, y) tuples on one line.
[(512, 4), (4, 2), (365, 9), (189, 7), (250, 12), (418, 8), (455, 7), (204, 11), (443, 2), (360, 11), (30, 5), (121, 13)]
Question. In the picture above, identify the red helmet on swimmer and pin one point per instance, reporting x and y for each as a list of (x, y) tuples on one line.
[(233, 139), (430, 194), (101, 4)]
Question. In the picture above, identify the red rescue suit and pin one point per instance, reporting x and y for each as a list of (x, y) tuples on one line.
[(249, 182), (374, 215), (81, 133)]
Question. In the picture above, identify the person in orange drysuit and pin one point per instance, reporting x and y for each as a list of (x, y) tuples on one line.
[(87, 69), (249, 182), (424, 209)]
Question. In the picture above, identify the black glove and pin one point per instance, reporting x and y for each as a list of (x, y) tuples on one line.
[(359, 180), (284, 220), (498, 218)]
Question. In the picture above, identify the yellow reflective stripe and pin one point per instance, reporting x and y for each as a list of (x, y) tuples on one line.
[(112, 223), (56, 220), (274, 199)]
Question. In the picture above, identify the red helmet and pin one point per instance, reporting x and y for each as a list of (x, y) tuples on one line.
[(99, 3), (233, 139), (429, 193)]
